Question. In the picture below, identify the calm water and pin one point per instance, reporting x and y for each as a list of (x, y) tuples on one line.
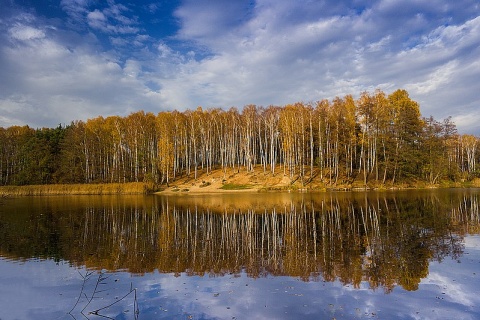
[(390, 255)]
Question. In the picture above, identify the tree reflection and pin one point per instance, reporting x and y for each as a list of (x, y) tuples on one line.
[(383, 239)]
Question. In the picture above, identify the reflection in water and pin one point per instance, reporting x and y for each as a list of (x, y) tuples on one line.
[(385, 239)]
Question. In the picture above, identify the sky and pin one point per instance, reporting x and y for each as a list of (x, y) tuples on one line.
[(65, 60)]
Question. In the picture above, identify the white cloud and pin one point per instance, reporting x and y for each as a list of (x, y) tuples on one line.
[(468, 121), (241, 52), (21, 32), (270, 59), (96, 19), (121, 24), (202, 20), (50, 83), (109, 19), (76, 10), (438, 78)]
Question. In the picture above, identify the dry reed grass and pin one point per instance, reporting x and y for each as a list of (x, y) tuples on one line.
[(77, 189)]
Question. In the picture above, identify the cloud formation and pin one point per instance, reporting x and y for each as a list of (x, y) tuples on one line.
[(87, 59)]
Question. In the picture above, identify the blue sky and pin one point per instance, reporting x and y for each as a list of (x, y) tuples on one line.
[(64, 60)]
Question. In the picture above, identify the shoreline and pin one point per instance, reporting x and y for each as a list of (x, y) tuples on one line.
[(239, 181), (226, 182), (279, 190), (37, 190)]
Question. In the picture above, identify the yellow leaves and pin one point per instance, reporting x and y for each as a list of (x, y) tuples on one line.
[(375, 133), (401, 103), (469, 141), (165, 136)]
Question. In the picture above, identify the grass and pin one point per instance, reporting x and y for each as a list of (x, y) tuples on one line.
[(78, 189), (233, 186)]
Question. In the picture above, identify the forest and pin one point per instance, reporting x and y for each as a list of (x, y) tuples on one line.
[(378, 138)]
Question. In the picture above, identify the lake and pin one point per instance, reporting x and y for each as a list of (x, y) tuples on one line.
[(342, 255)]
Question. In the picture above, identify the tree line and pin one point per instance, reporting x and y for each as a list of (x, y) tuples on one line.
[(376, 138)]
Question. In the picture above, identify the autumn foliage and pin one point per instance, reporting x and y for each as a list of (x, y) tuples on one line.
[(377, 138)]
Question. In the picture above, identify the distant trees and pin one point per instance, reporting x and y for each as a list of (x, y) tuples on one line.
[(377, 138), (29, 156)]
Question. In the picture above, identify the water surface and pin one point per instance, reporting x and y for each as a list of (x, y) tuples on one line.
[(403, 255)]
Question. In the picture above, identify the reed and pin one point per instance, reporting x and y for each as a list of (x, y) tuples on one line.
[(78, 189), (99, 293)]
